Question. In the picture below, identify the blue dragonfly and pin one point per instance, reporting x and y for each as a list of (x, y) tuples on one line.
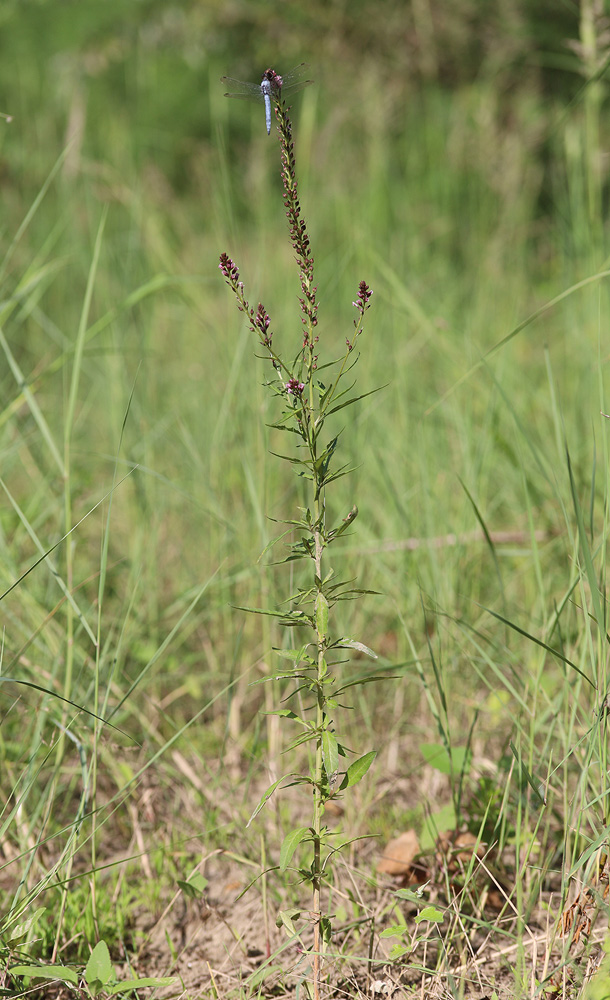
[(271, 88)]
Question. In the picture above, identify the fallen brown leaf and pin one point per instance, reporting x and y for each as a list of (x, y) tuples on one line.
[(397, 858)]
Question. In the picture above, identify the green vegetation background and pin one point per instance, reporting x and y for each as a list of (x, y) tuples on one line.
[(454, 156)]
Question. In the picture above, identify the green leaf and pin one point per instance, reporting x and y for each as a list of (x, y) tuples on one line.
[(414, 896), (282, 427), (345, 470), (354, 644), (286, 918), (294, 654), (195, 886), (443, 819), (437, 756), (296, 620), (430, 913), (321, 615), (330, 752), (303, 738), (539, 642), (326, 929), (396, 930), (301, 779), (322, 463), (286, 713), (99, 967), (347, 521), (537, 785), (134, 984), (594, 589), (23, 928), (262, 802), (51, 972), (358, 769), (348, 595), (355, 399), (363, 679), (453, 762), (279, 675), (291, 617), (398, 951), (290, 844), (263, 973)]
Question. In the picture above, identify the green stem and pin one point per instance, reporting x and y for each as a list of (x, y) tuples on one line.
[(318, 512), (317, 818)]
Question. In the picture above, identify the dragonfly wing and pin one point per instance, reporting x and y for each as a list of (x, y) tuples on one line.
[(243, 91), (293, 88), (293, 81), (296, 79)]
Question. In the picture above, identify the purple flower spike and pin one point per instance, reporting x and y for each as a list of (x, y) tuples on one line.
[(229, 269), (364, 297), (294, 387)]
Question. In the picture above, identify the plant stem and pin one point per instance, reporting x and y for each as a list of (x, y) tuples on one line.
[(304, 414), (320, 701)]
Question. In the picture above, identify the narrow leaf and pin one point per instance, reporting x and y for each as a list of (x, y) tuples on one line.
[(263, 973), (358, 769), (539, 642), (294, 654), (586, 549), (355, 399), (134, 984), (277, 675), (286, 918), (62, 972), (326, 928), (321, 615), (24, 926), (282, 427), (354, 644), (285, 713), (290, 844), (304, 738), (262, 802), (537, 786), (330, 752), (289, 458), (361, 681), (298, 617), (347, 521)]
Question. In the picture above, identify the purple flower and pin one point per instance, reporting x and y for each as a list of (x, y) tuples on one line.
[(364, 296), (229, 269), (294, 386)]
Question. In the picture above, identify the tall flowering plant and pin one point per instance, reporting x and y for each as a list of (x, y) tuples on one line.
[(307, 403)]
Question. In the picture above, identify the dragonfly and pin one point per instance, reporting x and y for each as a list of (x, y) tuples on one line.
[(271, 88)]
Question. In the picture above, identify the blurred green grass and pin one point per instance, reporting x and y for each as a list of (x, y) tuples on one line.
[(464, 202), (440, 209)]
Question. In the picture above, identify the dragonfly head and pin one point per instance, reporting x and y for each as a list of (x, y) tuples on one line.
[(274, 79)]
